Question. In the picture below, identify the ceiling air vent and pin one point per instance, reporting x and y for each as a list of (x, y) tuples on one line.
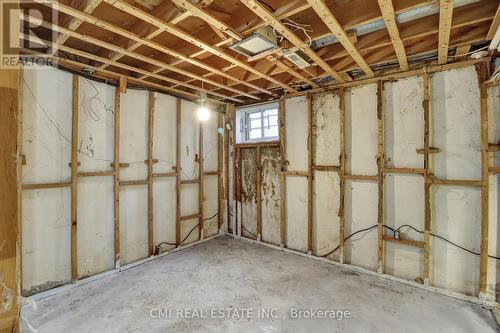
[(298, 58)]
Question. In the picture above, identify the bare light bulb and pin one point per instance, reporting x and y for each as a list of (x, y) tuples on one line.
[(203, 113)]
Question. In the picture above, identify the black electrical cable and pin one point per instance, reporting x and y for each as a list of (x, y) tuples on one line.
[(446, 240), (158, 247), (355, 233), (416, 230)]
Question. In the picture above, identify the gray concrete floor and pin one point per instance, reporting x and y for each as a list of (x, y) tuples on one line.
[(226, 273)]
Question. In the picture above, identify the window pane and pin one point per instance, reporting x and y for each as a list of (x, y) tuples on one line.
[(255, 134), (272, 131), (255, 123)]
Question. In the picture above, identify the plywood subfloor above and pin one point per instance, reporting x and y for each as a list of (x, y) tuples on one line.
[(212, 275)]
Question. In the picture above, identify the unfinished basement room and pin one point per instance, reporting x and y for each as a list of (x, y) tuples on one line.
[(269, 166)]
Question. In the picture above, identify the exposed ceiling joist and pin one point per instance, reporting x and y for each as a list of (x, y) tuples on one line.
[(144, 41), (445, 17), (209, 18), (89, 8), (331, 22), (130, 9), (268, 17), (215, 22), (389, 16), (142, 58), (494, 25)]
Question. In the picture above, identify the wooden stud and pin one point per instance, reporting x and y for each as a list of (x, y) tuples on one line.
[(232, 116), (341, 214), (380, 167), (310, 180), (190, 217), (259, 193), (283, 166), (220, 174), (225, 165), (201, 230), (150, 173), (415, 171), (74, 179), (427, 184), (409, 242), (42, 186), (116, 185), (445, 17), (483, 266), (123, 84), (178, 172)]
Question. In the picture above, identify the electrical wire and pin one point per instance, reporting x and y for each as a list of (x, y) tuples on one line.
[(416, 230), (158, 247)]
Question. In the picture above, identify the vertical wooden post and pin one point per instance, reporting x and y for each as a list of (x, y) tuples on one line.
[(282, 204), (232, 116), (10, 191), (74, 178), (178, 169), (310, 182), (341, 174), (226, 167), (380, 166), (201, 231), (427, 183), (117, 177), (220, 173), (238, 191), (483, 266), (150, 173), (259, 194)]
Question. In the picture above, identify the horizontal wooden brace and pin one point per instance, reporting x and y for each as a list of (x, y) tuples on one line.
[(432, 150), (296, 173), (190, 181), (494, 170), (122, 165), (154, 161), (361, 177), (211, 173), (260, 144), (326, 167), (493, 147), (45, 186), (96, 174), (456, 182), (133, 182), (409, 242), (417, 171), (78, 164), (190, 217), (164, 174)]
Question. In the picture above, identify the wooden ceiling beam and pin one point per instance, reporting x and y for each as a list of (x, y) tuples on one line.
[(122, 32), (494, 25), (142, 58), (445, 17), (268, 17), (140, 28), (389, 16), (130, 9), (207, 17), (331, 22), (75, 23), (465, 17), (215, 22)]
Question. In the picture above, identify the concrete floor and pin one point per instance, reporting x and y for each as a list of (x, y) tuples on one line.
[(226, 273)]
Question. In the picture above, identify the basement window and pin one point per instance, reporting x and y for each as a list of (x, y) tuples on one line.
[(258, 123)]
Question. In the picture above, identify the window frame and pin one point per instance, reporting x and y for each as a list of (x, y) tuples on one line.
[(247, 112)]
